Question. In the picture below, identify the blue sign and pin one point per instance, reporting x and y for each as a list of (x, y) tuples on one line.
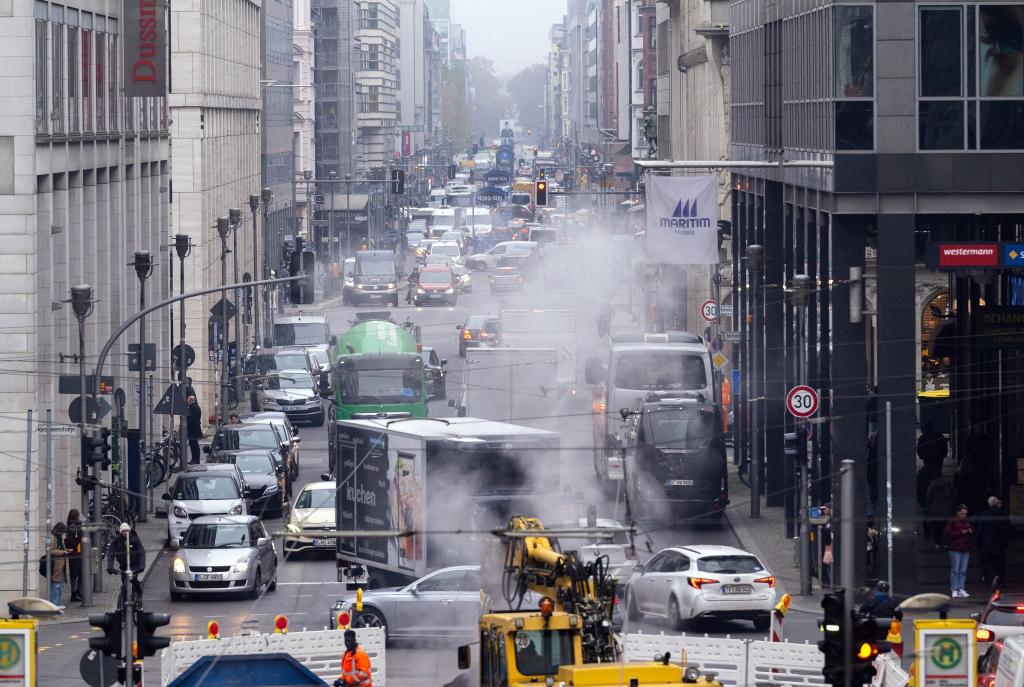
[(1013, 254), (490, 195), (735, 382), (498, 177)]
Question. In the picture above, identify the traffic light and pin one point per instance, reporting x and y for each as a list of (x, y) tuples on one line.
[(97, 448), (833, 625), (542, 174), (542, 193), (452, 171), (148, 642), (110, 643), (869, 640), (303, 290), (397, 181)]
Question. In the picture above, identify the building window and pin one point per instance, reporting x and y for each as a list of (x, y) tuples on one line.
[(86, 81), (72, 76), (854, 42), (57, 74), (971, 77), (112, 85), (652, 92), (101, 82), (42, 69)]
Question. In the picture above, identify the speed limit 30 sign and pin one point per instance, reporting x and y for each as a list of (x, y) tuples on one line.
[(709, 310), (802, 401)]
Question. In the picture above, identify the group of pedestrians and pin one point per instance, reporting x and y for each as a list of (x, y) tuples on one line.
[(989, 532)]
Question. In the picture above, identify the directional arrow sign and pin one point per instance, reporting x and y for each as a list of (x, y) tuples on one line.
[(190, 355), (223, 303), (96, 410)]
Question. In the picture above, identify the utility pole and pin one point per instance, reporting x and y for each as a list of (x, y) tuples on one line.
[(801, 290), (348, 215), (846, 553), (143, 264), (82, 304), (755, 260), (267, 197), (223, 228), (235, 218), (254, 206), (331, 251), (183, 248)]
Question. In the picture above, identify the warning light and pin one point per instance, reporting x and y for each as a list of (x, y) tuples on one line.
[(983, 635), (213, 630), (547, 606), (359, 599), (866, 651), (344, 620), (280, 625)]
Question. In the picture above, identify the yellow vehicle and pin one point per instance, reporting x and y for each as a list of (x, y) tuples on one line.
[(526, 187), (568, 640)]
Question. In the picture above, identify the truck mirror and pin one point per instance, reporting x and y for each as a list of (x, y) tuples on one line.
[(594, 371), (333, 341), (464, 657)]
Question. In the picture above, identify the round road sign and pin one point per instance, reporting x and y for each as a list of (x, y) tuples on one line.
[(709, 311), (802, 401)]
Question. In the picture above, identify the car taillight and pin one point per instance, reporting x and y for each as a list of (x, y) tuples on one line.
[(615, 601), (599, 406), (698, 582), (983, 635), (466, 334), (770, 580)]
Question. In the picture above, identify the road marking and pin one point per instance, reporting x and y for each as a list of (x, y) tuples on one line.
[(319, 584)]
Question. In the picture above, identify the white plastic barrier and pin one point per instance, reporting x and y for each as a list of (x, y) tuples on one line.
[(320, 651), (784, 663), (725, 657), (889, 672)]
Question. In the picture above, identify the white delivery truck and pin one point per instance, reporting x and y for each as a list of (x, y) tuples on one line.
[(430, 477), (545, 328), (511, 385)]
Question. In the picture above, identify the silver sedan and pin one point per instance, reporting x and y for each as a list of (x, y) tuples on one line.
[(225, 554)]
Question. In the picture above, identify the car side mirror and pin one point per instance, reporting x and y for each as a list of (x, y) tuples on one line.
[(975, 616), (451, 402), (458, 326), (464, 657), (333, 341), (166, 496), (444, 361), (262, 541), (325, 477), (639, 567), (414, 590), (295, 431)]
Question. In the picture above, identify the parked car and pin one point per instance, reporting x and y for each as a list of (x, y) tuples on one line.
[(255, 435), (264, 479), (221, 554), (1003, 617), (688, 583), (436, 285), (504, 251), (477, 330), (293, 392), (195, 494), (285, 429), (444, 603), (312, 512), (436, 372)]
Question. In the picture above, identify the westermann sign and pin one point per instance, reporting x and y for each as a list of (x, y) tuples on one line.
[(682, 220), (145, 48)]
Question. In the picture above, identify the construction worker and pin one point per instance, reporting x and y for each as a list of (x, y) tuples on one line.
[(355, 664)]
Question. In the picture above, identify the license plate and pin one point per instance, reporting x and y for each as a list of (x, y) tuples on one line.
[(679, 483), (330, 541), (208, 577), (433, 295), (737, 589)]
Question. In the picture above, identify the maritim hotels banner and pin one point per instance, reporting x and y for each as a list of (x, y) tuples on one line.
[(682, 220)]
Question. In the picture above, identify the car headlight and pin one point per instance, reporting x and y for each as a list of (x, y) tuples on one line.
[(293, 528), (449, 290), (180, 512), (271, 489), (179, 566), (236, 510), (392, 285), (418, 290), (241, 566)]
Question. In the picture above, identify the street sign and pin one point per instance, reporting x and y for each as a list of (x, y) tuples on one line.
[(69, 384), (133, 357), (490, 195), (733, 337), (190, 356), (498, 177), (97, 410), (725, 310), (172, 402), (719, 360), (946, 655), (18, 652), (802, 401), (97, 669), (222, 303), (709, 310)]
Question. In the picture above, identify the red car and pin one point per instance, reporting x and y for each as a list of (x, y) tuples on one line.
[(437, 284)]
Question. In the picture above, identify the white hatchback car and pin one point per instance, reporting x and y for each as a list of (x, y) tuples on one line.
[(686, 583), (311, 514)]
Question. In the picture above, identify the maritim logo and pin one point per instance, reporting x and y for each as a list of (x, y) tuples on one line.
[(685, 217)]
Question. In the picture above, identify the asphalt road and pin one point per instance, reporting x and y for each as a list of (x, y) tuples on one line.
[(307, 587)]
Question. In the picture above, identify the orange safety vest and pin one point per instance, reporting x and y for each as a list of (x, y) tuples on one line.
[(355, 668)]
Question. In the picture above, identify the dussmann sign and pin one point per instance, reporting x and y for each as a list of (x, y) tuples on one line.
[(145, 48)]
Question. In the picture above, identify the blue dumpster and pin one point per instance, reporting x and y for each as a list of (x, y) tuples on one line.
[(261, 670)]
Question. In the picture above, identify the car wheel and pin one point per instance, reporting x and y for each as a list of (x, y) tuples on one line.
[(319, 420), (674, 618), (762, 622), (176, 596), (370, 617), (462, 351), (257, 583), (632, 612)]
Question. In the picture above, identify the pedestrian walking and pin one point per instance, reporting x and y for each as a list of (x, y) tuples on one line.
[(992, 535), (940, 501), (58, 572), (195, 427), (932, 447), (73, 544), (958, 537), (355, 664), (414, 281)]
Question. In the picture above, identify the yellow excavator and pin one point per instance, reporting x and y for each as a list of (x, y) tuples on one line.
[(568, 638)]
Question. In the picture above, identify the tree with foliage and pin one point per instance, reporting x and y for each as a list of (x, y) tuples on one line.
[(490, 102), (455, 110), (527, 92)]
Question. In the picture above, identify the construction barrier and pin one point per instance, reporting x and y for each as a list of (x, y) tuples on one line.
[(320, 651), (889, 672)]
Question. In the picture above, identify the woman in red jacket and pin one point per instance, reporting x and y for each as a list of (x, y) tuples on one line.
[(958, 536)]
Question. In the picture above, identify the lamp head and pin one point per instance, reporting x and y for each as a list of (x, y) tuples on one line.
[(267, 195), (81, 300), (755, 257), (223, 227), (182, 245), (235, 216), (254, 202), (143, 264)]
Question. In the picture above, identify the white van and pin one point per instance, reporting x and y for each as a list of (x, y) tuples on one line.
[(441, 221), (436, 199)]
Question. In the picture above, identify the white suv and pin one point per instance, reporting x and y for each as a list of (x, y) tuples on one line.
[(505, 249), (201, 492)]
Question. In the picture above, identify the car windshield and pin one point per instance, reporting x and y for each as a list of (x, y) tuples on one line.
[(414, 236), (397, 385), (646, 370), (375, 267), (442, 249), (443, 221), (729, 565), (1000, 615), (320, 356), (315, 498), (254, 464), (289, 380), (206, 489), (475, 322), (680, 428), (219, 536), (250, 437), (435, 278), (290, 361), (300, 334), (542, 652)]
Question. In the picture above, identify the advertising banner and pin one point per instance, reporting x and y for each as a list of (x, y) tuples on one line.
[(682, 220), (145, 48)]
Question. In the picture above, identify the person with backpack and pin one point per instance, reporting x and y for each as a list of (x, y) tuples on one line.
[(58, 562), (73, 544)]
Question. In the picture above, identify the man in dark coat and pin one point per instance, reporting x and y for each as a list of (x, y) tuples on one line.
[(992, 537), (195, 427)]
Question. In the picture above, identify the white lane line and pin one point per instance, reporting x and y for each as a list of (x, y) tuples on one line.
[(281, 584)]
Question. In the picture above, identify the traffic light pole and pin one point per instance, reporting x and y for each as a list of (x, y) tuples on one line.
[(846, 565), (87, 484), (129, 614)]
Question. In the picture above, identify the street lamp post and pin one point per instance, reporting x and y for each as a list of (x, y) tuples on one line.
[(348, 215), (235, 219), (254, 206), (333, 176), (267, 197), (81, 303), (143, 264), (755, 261), (183, 248), (799, 293), (223, 229)]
